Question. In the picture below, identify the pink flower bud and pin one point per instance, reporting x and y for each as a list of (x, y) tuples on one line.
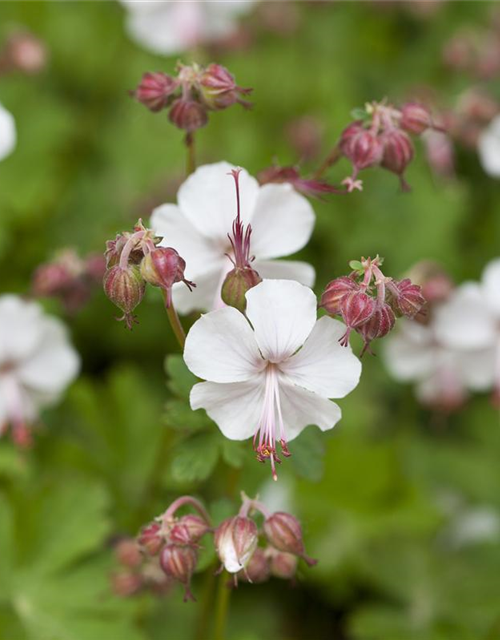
[(284, 532), (361, 146), (128, 554), (151, 538), (335, 292), (95, 267), (26, 53), (378, 325), (356, 308), (188, 530), (415, 118), (283, 565), (126, 584), (163, 267), (125, 288), (236, 284), (257, 570), (155, 90), (179, 563), (408, 297), (218, 89), (235, 541), (398, 153), (51, 278), (188, 115)]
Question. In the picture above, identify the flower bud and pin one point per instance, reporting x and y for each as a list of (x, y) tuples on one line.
[(179, 563), (258, 569), (125, 288), (188, 530), (128, 554), (408, 298), (126, 583), (335, 292), (218, 89), (237, 283), (415, 118), (188, 114), (378, 326), (235, 541), (163, 267), (115, 247), (26, 53), (151, 538), (397, 153), (284, 532), (361, 146), (357, 307), (95, 267), (283, 565), (155, 90)]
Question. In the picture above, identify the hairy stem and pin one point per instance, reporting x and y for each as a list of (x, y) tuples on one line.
[(221, 607), (191, 154), (329, 161), (175, 323)]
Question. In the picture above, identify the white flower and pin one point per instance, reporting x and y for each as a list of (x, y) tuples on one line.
[(7, 133), (37, 362), (282, 222), (167, 27), (442, 374), (489, 148), (272, 375)]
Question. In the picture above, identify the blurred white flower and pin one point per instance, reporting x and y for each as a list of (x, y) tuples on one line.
[(489, 148), (270, 374), (8, 137), (167, 27), (197, 227), (37, 363)]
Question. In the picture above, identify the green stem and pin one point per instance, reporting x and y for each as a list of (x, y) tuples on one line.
[(221, 607), (191, 154), (330, 160), (175, 323), (205, 614)]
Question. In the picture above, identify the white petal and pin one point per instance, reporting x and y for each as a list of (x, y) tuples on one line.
[(199, 252), (465, 321), (8, 136), (208, 199), (54, 364), (477, 368), (301, 408), (283, 314), (409, 353), (489, 148), (235, 408), (491, 286), (282, 222), (20, 328), (202, 297), (221, 347), (322, 365), (302, 272)]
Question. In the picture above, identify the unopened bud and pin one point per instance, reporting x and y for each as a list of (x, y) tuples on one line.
[(26, 53), (188, 530), (188, 115), (237, 283), (258, 569), (335, 292), (125, 288), (95, 267), (179, 563), (218, 89), (361, 146), (398, 152), (151, 538), (357, 307), (378, 326), (283, 565), (126, 583), (408, 298), (415, 118), (284, 532), (128, 554), (163, 267), (235, 541), (155, 90)]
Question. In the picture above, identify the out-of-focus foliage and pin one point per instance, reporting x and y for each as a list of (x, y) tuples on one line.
[(402, 507)]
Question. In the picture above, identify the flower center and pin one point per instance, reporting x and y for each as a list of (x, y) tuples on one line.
[(271, 427)]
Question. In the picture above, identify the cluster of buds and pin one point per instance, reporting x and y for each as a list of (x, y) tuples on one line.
[(69, 278), (474, 110), (190, 94), (369, 302), (309, 187), (381, 137), (134, 260), (166, 550)]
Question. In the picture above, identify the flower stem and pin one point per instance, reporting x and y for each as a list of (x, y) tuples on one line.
[(175, 323), (221, 607), (206, 608), (329, 161), (191, 154)]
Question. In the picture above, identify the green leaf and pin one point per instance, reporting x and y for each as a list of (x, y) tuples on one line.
[(356, 265), (195, 458), (6, 547), (358, 113), (179, 415), (233, 453), (307, 454), (181, 379)]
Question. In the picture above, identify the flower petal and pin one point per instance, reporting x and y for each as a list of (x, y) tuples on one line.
[(282, 222), (489, 148), (409, 354), (20, 328), (322, 365), (208, 199), (302, 272), (221, 347), (203, 297), (491, 286), (283, 314), (8, 136), (465, 321), (199, 252), (301, 408), (234, 407)]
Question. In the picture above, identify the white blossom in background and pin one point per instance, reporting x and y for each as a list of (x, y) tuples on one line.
[(8, 136), (270, 373), (489, 148), (167, 27), (37, 363), (197, 227), (443, 375), (470, 321)]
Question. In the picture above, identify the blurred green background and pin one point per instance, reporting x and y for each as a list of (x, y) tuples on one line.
[(401, 507)]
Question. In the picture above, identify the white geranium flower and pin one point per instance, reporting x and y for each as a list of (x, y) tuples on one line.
[(197, 227), (443, 375), (37, 363), (489, 148), (271, 373), (167, 27), (8, 135)]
